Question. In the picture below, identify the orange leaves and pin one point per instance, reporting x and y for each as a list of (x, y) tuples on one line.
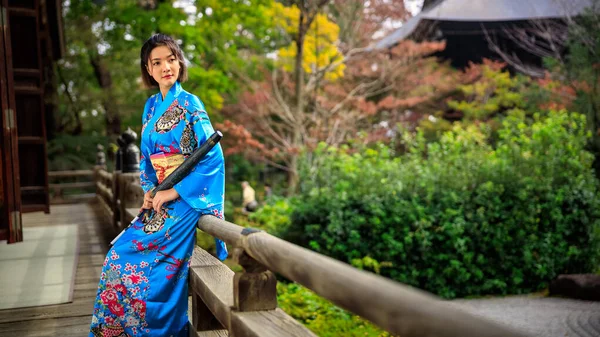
[(409, 48), (393, 103), (561, 94)]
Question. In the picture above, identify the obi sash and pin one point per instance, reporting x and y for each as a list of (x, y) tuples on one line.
[(165, 163)]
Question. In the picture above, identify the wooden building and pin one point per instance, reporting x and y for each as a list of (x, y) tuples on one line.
[(514, 31), (31, 39)]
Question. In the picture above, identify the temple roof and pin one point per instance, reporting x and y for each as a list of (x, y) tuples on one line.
[(486, 11)]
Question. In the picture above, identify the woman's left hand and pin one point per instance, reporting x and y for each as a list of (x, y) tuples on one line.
[(162, 197)]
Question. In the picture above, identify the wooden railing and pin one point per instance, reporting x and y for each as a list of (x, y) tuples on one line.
[(57, 189), (238, 304)]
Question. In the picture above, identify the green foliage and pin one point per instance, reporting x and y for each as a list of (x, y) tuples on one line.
[(496, 92), (274, 216), (320, 316), (67, 152), (580, 69), (369, 263), (458, 217)]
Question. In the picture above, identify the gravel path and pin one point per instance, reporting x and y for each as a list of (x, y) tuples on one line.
[(540, 316)]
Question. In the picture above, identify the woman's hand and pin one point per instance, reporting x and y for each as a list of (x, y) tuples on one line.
[(147, 200), (162, 197)]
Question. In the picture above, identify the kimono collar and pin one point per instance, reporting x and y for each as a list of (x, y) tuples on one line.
[(172, 94)]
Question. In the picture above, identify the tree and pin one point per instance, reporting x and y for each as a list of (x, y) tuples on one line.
[(335, 105), (100, 73), (581, 71)]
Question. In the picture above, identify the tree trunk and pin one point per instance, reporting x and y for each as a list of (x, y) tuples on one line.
[(297, 137), (113, 120)]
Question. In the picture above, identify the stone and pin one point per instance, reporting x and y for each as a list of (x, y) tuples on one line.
[(578, 286)]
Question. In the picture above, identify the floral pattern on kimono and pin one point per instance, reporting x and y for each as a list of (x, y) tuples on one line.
[(143, 288)]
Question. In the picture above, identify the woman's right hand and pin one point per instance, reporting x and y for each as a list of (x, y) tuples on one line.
[(147, 200)]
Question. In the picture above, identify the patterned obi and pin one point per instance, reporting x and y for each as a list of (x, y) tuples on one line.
[(165, 163)]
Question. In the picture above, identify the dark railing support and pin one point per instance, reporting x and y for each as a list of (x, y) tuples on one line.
[(131, 153), (254, 289), (119, 154)]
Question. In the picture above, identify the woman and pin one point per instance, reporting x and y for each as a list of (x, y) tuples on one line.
[(143, 288)]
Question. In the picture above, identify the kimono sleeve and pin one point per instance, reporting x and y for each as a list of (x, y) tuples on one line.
[(204, 187), (148, 178)]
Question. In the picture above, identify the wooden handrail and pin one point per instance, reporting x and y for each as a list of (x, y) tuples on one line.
[(395, 307), (73, 173), (58, 188), (244, 303), (73, 185)]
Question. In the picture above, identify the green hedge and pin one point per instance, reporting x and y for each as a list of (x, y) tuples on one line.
[(322, 317), (458, 217)]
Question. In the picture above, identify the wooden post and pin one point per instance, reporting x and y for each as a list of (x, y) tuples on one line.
[(116, 202), (254, 289), (202, 318), (126, 196), (100, 164)]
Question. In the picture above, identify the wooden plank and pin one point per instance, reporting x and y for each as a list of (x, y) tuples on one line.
[(73, 173), (212, 333), (64, 327), (270, 323), (73, 185), (33, 208), (32, 188), (22, 11), (214, 284)]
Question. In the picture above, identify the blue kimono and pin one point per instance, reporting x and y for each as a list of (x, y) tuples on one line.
[(143, 288)]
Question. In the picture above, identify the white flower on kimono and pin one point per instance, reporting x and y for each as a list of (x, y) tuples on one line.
[(132, 321)]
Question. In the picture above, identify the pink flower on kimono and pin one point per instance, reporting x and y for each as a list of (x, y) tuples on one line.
[(134, 291), (121, 288), (217, 213), (116, 309), (130, 267), (143, 264), (139, 307), (113, 255), (109, 320), (115, 267), (109, 296), (134, 278)]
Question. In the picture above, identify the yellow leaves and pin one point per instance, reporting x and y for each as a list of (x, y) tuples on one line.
[(320, 44), (285, 17)]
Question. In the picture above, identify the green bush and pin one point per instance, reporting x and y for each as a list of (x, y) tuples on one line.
[(274, 216), (66, 152), (458, 217), (322, 317)]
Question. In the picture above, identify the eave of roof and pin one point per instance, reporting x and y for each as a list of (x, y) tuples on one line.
[(486, 11)]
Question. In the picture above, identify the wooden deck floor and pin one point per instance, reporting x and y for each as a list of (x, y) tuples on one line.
[(72, 319)]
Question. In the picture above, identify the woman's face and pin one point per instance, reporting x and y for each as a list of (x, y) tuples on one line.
[(163, 66)]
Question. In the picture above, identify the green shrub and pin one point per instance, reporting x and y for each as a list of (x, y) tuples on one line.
[(458, 217), (66, 152), (274, 216), (322, 317)]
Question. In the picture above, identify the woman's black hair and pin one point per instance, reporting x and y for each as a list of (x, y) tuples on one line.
[(154, 41)]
